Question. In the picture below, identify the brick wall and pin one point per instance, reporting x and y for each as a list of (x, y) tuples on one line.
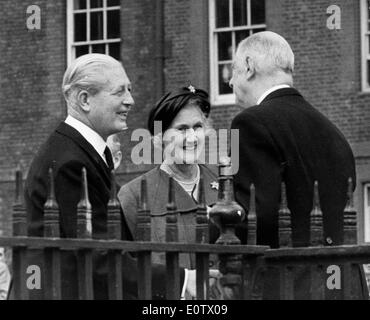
[(31, 69)]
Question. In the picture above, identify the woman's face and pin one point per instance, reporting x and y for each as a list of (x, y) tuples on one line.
[(184, 140)]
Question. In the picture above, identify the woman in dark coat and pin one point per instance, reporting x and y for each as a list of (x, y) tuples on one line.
[(183, 115)]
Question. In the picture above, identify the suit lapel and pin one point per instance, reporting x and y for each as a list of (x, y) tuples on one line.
[(73, 134)]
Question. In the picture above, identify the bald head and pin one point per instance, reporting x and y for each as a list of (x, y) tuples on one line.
[(88, 72), (270, 52)]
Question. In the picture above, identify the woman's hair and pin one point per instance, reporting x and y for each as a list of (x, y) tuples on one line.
[(167, 108)]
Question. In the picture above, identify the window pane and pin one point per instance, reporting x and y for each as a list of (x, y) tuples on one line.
[(241, 35), (112, 3), (96, 3), (113, 24), (225, 49), (222, 13), (81, 50), (80, 27), (258, 11), (114, 50), (224, 76), (79, 4), (98, 48), (96, 25), (240, 12), (368, 73)]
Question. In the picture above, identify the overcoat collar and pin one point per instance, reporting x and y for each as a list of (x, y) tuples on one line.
[(184, 203), (280, 93)]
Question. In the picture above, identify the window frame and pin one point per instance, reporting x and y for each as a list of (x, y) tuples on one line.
[(365, 45), (71, 44), (216, 98)]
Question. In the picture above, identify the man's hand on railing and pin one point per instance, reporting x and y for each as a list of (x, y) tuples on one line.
[(191, 283)]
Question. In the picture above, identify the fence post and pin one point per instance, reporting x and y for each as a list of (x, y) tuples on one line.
[(350, 218), (143, 233), (84, 231), (226, 213), (19, 259), (114, 233), (252, 218), (202, 236), (52, 257), (285, 223), (316, 240), (172, 258), (285, 241)]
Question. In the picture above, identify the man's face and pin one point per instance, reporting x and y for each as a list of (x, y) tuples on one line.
[(109, 107), (239, 81)]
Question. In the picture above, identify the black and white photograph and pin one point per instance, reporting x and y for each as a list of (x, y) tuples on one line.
[(184, 154)]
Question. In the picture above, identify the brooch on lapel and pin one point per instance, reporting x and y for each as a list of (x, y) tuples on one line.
[(214, 185)]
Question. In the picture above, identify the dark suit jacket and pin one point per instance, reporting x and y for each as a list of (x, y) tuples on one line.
[(157, 186), (68, 152), (286, 139)]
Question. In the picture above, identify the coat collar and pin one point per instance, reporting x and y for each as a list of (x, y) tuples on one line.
[(73, 134), (280, 93), (184, 202)]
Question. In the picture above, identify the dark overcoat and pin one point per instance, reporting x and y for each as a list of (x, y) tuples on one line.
[(67, 151), (286, 139)]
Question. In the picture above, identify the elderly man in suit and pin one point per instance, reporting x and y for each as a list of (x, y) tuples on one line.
[(98, 95), (284, 138)]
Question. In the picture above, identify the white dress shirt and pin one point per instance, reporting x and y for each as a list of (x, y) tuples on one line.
[(89, 134), (266, 93)]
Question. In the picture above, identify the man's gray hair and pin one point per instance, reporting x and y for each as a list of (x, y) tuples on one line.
[(88, 72), (270, 52)]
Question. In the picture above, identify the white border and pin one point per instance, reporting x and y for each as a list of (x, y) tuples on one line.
[(366, 213)]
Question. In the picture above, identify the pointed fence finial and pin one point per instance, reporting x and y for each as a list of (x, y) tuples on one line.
[(84, 223), (51, 211), (19, 211), (285, 223), (143, 230), (316, 220), (350, 218), (252, 217), (114, 212)]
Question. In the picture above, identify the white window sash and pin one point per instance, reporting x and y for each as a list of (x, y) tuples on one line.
[(71, 44), (216, 97)]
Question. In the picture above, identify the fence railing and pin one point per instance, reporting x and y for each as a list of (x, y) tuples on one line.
[(243, 267)]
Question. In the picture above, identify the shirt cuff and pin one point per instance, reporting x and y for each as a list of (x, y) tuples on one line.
[(186, 276)]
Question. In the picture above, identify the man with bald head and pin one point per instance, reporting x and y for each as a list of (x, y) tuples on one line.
[(98, 95), (283, 138)]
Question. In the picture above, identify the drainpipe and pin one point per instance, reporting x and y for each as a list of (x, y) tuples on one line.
[(159, 54)]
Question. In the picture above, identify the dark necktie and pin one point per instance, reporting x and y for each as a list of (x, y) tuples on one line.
[(108, 158)]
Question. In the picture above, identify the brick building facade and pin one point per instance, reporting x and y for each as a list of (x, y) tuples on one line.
[(166, 44)]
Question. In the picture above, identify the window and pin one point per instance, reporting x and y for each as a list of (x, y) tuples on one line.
[(367, 212), (230, 22), (365, 35), (93, 27)]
